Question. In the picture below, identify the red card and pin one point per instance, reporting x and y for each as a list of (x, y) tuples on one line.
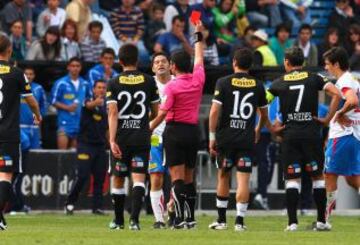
[(195, 17)]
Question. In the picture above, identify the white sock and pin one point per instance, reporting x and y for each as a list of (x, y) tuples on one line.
[(157, 204), (330, 203), (241, 209)]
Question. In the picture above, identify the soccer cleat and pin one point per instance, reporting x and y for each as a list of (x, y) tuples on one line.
[(159, 225), (218, 226), (320, 226), (261, 202), (190, 224), (98, 212), (114, 226), (171, 219), (69, 209), (3, 225), (292, 227), (240, 228), (134, 226), (178, 225)]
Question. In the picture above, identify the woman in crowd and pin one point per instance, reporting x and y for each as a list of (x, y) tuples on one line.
[(353, 38), (69, 41), (331, 39), (47, 48)]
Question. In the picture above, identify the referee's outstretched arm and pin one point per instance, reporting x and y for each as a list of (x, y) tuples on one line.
[(199, 45)]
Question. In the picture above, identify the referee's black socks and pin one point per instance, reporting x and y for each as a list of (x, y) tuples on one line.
[(179, 193), (319, 195), (292, 198), (190, 201), (118, 200), (5, 192), (138, 193)]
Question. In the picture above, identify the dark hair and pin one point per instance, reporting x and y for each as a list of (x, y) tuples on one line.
[(74, 59), (159, 54), (157, 6), (354, 28), (330, 31), (338, 55), (249, 28), (128, 54), (305, 27), (70, 22), (182, 61), (221, 3), (98, 81), (5, 43), (46, 48), (29, 67), (108, 51), (177, 17), (95, 24), (16, 21), (243, 58), (295, 56), (282, 27)]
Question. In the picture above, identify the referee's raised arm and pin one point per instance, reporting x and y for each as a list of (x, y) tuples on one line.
[(199, 45)]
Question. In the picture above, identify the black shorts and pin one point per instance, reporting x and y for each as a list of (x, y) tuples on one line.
[(10, 158), (135, 159), (239, 158), (298, 155), (92, 157), (181, 144)]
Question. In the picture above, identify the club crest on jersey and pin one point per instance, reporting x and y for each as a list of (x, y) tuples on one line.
[(244, 162), (108, 94), (243, 82), (69, 96), (83, 156), (294, 169), (311, 167), (120, 167), (296, 76), (97, 117), (4, 69), (5, 161), (137, 162), (131, 80)]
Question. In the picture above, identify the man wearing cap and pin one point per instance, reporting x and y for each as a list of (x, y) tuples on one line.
[(263, 55)]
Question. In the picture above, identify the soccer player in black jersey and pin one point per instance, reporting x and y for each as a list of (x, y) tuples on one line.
[(301, 149), (12, 84), (130, 96), (233, 113)]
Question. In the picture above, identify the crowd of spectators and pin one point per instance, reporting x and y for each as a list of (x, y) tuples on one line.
[(62, 29)]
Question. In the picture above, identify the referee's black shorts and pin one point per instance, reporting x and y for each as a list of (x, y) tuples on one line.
[(10, 158), (181, 143)]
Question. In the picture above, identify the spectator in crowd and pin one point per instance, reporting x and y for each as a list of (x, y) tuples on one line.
[(304, 42), (353, 38), (296, 11), (225, 15), (37, 6), (18, 41), (174, 40), (281, 42), (355, 58), (104, 70), (179, 7), (68, 95), (331, 40), (263, 56), (262, 13), (92, 46), (128, 25), (207, 16), (245, 40), (155, 27), (48, 47), (69, 40), (211, 54), (18, 10), (342, 17), (51, 16), (80, 12)]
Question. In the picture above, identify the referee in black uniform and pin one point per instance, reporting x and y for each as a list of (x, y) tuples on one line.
[(12, 84), (91, 149)]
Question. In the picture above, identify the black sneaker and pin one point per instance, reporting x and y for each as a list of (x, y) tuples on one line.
[(69, 209), (134, 226), (190, 224), (179, 224), (159, 225), (3, 225), (115, 226), (98, 212)]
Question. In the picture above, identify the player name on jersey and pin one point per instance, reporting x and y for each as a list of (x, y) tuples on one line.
[(237, 124), (299, 116), (128, 124)]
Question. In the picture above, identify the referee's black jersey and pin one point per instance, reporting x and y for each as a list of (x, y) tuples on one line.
[(134, 92), (298, 92), (93, 125), (240, 95), (12, 84)]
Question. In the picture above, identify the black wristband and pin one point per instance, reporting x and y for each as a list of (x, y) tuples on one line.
[(198, 36)]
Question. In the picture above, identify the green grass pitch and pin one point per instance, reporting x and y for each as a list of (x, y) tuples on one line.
[(87, 229)]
